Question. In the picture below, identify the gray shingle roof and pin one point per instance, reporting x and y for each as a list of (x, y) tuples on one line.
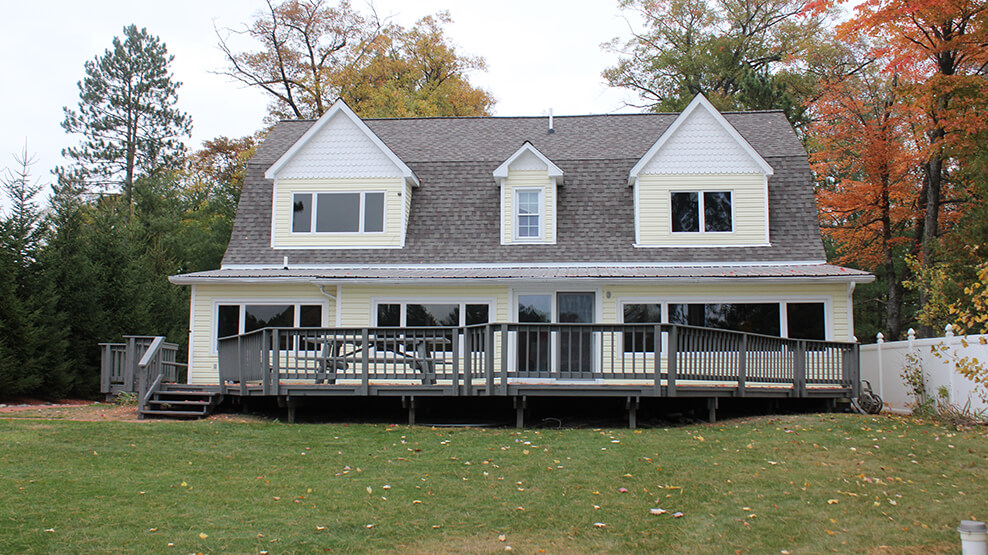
[(454, 216)]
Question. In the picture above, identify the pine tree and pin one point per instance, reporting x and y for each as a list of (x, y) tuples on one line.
[(126, 115)]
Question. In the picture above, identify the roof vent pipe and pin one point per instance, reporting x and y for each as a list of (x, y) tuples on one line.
[(551, 129), (286, 262)]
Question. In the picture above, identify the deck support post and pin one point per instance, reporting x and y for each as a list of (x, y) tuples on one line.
[(521, 403), (291, 404), (409, 403), (672, 363), (632, 406), (712, 409)]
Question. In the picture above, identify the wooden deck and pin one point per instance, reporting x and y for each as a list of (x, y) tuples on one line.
[(529, 361)]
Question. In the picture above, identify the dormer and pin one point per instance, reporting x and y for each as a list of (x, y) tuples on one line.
[(528, 181), (339, 186), (701, 185)]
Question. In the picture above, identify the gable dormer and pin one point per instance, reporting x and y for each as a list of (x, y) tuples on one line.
[(701, 184), (528, 181), (339, 186)]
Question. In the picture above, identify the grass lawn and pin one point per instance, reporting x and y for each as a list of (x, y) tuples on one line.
[(788, 484)]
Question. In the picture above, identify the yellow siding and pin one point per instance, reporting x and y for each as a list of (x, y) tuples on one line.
[(834, 295), (654, 210), (529, 179), (394, 221), (203, 368)]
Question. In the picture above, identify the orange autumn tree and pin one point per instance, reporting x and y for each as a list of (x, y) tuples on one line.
[(864, 157), (939, 51)]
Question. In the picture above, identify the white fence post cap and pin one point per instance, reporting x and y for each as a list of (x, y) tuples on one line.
[(881, 337), (948, 330)]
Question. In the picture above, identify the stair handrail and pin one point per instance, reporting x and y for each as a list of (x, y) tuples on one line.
[(150, 373)]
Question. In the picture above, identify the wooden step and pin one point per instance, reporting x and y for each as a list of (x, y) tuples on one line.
[(173, 413), (182, 402)]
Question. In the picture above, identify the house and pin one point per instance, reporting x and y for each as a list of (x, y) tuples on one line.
[(577, 223)]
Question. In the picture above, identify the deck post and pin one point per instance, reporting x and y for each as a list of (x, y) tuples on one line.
[(799, 369), (266, 362), (106, 367), (489, 360), (456, 363), (656, 361), (365, 362), (275, 361), (409, 403), (743, 365), (632, 406), (290, 403), (712, 409), (467, 362), (130, 363), (504, 359), (673, 349), (521, 403), (241, 357)]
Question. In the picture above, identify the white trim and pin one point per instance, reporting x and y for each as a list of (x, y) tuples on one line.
[(339, 305), (516, 216), (553, 170), (638, 246), (192, 328), (638, 226), (274, 212), (698, 101), (768, 226), (555, 209), (782, 263), (701, 211), (504, 229), (405, 203), (500, 280), (850, 310), (361, 214), (340, 106)]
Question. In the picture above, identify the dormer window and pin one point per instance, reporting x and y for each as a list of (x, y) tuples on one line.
[(529, 217), (348, 212), (709, 211)]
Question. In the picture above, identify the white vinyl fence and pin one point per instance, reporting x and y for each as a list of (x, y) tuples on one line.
[(882, 365)]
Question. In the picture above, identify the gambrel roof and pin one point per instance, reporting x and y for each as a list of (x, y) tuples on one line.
[(454, 216)]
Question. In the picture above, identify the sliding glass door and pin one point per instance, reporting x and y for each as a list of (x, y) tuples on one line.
[(567, 351)]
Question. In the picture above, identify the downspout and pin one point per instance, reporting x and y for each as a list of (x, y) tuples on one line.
[(334, 298)]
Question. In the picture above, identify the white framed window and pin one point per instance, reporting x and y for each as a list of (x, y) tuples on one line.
[(431, 313), (338, 212), (529, 213), (702, 211), (237, 317)]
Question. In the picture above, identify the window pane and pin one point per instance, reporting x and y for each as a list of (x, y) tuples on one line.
[(686, 314), (338, 212), (534, 308), (685, 212), (717, 211), (228, 320), (432, 315), (478, 314), (760, 318), (528, 202), (388, 315), (806, 321), (310, 316), (373, 212), (268, 316), (528, 226), (302, 213), (641, 340)]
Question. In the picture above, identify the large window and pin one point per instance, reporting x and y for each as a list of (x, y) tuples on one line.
[(237, 318), (803, 320), (706, 211), (361, 212), (529, 213), (431, 314)]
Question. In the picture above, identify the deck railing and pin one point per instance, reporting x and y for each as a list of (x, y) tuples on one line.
[(134, 365), (487, 358)]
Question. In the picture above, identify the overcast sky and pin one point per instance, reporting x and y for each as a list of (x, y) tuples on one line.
[(540, 54)]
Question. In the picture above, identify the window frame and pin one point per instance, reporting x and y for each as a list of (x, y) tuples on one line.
[(405, 301), (701, 216), (242, 316), (361, 215), (516, 217)]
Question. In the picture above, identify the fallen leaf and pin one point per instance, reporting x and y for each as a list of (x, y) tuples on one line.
[(600, 525), (203, 535), (658, 511), (677, 514), (832, 501)]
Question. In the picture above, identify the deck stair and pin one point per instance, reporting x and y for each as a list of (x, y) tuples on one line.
[(181, 401)]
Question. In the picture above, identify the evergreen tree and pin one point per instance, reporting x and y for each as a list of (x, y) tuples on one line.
[(126, 115)]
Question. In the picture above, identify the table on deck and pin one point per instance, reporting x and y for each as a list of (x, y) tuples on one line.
[(418, 351)]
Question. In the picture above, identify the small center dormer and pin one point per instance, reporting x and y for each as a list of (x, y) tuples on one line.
[(340, 186), (528, 181)]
